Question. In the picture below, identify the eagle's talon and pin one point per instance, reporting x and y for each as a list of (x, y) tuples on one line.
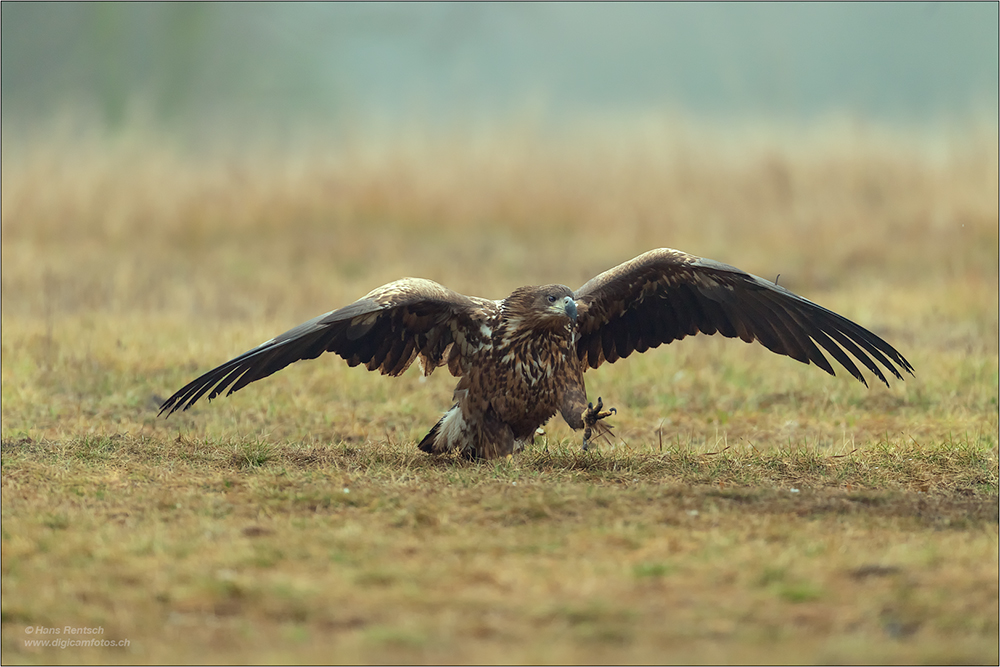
[(591, 416)]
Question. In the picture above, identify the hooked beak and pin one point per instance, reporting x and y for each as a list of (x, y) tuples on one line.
[(570, 306)]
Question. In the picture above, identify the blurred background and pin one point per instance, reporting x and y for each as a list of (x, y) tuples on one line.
[(193, 63), (184, 180), (342, 145)]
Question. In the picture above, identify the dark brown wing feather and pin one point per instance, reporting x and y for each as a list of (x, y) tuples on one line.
[(665, 295), (386, 330)]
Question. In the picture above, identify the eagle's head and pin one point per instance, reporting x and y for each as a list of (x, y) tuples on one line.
[(544, 306)]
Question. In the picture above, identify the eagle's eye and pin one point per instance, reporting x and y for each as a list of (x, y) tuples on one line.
[(552, 299)]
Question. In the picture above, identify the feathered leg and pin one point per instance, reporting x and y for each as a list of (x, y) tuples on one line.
[(579, 413)]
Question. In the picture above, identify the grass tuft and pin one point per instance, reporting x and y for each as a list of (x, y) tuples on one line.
[(252, 454)]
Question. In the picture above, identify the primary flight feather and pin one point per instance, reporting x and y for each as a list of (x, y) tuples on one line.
[(521, 360)]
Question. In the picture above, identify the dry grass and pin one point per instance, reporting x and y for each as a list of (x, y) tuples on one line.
[(750, 508)]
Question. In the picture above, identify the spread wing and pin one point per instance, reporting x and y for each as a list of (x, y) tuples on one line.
[(665, 295), (386, 330)]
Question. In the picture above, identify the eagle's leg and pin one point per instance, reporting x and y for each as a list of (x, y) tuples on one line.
[(493, 440), (590, 418)]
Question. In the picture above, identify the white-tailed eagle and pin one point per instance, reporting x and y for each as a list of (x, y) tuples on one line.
[(521, 360)]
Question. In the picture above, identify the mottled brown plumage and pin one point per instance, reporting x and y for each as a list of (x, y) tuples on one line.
[(521, 360)]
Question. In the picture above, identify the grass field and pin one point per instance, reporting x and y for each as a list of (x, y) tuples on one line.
[(748, 509)]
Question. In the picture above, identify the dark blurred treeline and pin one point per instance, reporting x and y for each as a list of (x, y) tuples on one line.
[(910, 61)]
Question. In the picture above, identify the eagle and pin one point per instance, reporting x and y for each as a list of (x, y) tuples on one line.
[(520, 360)]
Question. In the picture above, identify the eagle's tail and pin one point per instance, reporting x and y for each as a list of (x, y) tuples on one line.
[(450, 432), (427, 444)]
